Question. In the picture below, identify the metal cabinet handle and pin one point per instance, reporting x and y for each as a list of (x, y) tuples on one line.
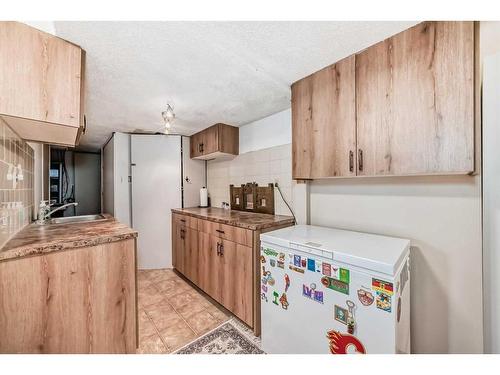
[(218, 249), (183, 220), (219, 231), (221, 250), (360, 160), (183, 234), (351, 161), (199, 147), (202, 147)]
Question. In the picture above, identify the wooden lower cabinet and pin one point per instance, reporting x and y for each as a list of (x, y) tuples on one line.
[(73, 301), (220, 267), (235, 267)]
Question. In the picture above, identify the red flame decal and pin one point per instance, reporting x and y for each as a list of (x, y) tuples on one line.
[(339, 343)]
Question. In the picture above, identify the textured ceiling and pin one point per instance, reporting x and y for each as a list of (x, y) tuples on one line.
[(231, 72)]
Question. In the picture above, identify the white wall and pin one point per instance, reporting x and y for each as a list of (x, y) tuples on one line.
[(194, 176), (268, 132), (442, 218), (490, 48)]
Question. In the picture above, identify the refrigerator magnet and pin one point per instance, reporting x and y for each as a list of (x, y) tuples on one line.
[(311, 265), (340, 314), (272, 262), (382, 286), (311, 293), (296, 269), (275, 298), (341, 343), (365, 297), (334, 284), (281, 257), (326, 269), (284, 302), (281, 264), (344, 275), (384, 302), (296, 260), (287, 282)]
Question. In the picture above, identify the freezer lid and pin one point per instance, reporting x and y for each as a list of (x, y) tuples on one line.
[(374, 252)]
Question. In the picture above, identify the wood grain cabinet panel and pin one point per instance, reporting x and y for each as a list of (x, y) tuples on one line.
[(236, 269), (324, 123), (75, 301), (42, 80), (219, 140), (415, 102)]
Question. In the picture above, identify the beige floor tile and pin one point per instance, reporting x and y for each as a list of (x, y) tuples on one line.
[(202, 322), (152, 345), (177, 335), (146, 329), (218, 313), (182, 299), (163, 318), (149, 295), (191, 308), (161, 275)]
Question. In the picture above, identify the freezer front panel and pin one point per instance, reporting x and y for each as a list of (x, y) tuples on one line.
[(310, 304)]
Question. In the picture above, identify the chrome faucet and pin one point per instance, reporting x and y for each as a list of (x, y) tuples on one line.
[(44, 213)]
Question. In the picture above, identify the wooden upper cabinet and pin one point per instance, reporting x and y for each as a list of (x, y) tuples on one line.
[(217, 141), (324, 123), (41, 90), (415, 102)]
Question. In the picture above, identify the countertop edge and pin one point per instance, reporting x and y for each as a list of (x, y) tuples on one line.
[(55, 246), (234, 223)]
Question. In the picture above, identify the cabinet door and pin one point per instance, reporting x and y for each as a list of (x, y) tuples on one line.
[(415, 102), (40, 75), (195, 143), (209, 277), (178, 246), (191, 260), (210, 142), (324, 122), (236, 284)]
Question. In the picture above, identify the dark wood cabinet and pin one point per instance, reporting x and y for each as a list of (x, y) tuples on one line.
[(219, 140)]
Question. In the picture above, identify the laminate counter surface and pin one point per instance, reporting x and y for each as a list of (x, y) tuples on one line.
[(247, 220), (38, 239)]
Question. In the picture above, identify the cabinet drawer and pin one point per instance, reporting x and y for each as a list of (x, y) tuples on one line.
[(227, 232), (188, 221)]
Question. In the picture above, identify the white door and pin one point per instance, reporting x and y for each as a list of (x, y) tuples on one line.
[(156, 180)]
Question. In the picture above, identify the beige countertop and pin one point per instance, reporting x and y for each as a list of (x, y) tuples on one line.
[(247, 220), (42, 239)]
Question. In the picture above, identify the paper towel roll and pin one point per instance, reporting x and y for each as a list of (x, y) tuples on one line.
[(203, 197)]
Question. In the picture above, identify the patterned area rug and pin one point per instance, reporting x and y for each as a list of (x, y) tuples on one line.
[(229, 338)]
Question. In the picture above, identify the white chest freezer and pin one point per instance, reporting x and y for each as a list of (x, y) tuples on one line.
[(327, 290)]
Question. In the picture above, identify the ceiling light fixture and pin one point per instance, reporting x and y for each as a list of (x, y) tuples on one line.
[(168, 116)]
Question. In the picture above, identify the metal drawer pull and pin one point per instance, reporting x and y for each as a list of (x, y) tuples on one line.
[(183, 220), (218, 249), (360, 160), (219, 231), (351, 161), (221, 250)]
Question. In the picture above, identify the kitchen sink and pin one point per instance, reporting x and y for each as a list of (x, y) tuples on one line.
[(76, 219)]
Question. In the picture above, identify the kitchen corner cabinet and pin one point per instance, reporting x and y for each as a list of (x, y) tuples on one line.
[(217, 141), (42, 85), (324, 123), (414, 108)]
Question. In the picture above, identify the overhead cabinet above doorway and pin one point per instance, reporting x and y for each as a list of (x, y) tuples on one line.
[(404, 106)]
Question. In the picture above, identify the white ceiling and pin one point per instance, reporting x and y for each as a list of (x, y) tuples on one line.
[(230, 72)]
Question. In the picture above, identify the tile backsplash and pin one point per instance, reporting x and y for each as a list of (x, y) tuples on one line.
[(16, 183), (272, 164)]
